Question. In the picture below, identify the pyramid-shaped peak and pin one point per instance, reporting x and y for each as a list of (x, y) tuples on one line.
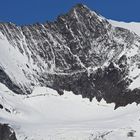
[(81, 6), (85, 12)]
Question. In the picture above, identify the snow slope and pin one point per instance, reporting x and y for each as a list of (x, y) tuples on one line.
[(44, 115), (134, 70), (132, 26), (11, 64), (16, 64)]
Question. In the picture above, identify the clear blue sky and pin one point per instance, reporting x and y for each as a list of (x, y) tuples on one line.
[(31, 11)]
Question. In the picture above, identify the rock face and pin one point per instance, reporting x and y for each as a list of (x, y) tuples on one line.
[(80, 52), (6, 133)]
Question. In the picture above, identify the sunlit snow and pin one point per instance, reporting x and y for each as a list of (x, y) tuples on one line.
[(44, 115)]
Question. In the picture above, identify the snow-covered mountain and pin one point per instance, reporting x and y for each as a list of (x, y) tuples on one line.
[(81, 52)]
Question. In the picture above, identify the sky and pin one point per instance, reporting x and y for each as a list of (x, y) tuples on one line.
[(23, 12)]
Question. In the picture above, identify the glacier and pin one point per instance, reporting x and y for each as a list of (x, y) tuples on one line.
[(45, 115)]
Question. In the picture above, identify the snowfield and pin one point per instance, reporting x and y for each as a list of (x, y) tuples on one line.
[(44, 115), (132, 26)]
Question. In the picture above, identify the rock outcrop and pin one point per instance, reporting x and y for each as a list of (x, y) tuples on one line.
[(7, 133)]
